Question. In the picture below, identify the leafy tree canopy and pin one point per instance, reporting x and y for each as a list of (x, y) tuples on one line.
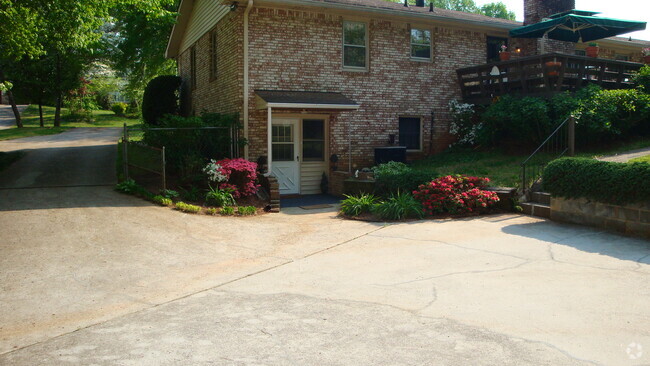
[(495, 10)]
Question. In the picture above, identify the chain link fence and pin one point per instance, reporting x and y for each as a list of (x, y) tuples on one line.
[(155, 156)]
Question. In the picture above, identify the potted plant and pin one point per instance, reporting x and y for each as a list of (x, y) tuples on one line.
[(646, 55), (553, 67), (504, 54), (592, 50)]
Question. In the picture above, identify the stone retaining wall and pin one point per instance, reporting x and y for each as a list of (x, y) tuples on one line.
[(629, 219)]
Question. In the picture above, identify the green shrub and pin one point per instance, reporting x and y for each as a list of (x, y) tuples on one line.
[(192, 193), (246, 210), (642, 79), (119, 108), (357, 205), (394, 177), (211, 211), (515, 121), (163, 201), (161, 97), (612, 114), (601, 181), (399, 206), (182, 206), (227, 211), (219, 197), (188, 149), (169, 193), (129, 186)]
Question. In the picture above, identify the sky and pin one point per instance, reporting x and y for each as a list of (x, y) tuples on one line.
[(621, 9)]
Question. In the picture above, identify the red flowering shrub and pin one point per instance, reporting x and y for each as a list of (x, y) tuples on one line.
[(455, 194), (241, 176)]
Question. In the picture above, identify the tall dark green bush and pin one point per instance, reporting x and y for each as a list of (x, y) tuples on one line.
[(517, 122), (394, 177), (161, 97), (601, 181)]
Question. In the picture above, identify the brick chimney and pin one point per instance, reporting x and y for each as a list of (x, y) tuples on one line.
[(536, 10)]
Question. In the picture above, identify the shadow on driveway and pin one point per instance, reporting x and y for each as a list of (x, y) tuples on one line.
[(585, 239)]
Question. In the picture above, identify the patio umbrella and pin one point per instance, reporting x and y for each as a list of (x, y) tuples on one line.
[(577, 26)]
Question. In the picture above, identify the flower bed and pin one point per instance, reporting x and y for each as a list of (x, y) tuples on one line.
[(453, 195)]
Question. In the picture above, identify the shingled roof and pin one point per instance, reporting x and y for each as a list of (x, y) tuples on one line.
[(413, 10)]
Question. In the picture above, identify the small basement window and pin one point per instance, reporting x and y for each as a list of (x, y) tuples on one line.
[(421, 44), (410, 133)]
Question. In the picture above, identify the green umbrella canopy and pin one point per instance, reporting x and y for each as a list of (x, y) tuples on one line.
[(576, 26)]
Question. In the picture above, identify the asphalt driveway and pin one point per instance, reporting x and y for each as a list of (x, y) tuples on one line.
[(90, 276)]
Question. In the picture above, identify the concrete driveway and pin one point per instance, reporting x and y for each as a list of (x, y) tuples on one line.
[(90, 276)]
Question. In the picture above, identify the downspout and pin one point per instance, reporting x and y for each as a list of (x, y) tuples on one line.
[(249, 6)]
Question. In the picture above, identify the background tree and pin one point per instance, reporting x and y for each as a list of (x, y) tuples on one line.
[(136, 40), (19, 38), (494, 10)]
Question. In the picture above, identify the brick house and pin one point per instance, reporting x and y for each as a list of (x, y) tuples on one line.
[(314, 80)]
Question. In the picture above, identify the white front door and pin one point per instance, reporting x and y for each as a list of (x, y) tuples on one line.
[(286, 154)]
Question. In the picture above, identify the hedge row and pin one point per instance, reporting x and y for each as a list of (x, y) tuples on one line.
[(607, 182)]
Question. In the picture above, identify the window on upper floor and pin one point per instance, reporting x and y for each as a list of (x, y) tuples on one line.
[(580, 53), (193, 66), (410, 133), (622, 58), (355, 45), (213, 55), (420, 44), (494, 47)]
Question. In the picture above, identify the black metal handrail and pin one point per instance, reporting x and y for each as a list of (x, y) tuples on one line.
[(558, 143)]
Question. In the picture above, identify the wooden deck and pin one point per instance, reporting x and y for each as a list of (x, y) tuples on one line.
[(542, 75)]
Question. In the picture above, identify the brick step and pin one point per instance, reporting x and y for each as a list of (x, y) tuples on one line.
[(541, 197), (536, 209)]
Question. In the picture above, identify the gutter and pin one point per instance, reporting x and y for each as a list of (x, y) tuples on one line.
[(249, 6)]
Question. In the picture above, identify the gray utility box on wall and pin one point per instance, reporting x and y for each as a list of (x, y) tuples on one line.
[(390, 153)]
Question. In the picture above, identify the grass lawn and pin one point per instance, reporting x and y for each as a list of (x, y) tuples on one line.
[(31, 122), (8, 158), (502, 168), (643, 159)]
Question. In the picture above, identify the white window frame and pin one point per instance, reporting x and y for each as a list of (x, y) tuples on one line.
[(421, 59), (367, 46), (421, 131)]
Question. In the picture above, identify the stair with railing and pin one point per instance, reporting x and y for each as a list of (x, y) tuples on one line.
[(556, 145)]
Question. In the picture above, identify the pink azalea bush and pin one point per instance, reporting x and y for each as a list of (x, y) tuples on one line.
[(235, 175), (455, 194)]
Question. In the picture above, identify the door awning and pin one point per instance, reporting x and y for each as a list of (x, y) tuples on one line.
[(303, 100)]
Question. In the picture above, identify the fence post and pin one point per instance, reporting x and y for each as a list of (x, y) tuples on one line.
[(125, 152), (164, 173), (572, 136)]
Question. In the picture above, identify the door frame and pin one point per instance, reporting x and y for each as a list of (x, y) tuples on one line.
[(326, 127)]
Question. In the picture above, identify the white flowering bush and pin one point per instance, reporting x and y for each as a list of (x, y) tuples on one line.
[(215, 172), (462, 125)]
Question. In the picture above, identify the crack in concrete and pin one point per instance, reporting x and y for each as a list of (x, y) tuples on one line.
[(213, 288), (417, 313), (451, 244), (465, 272)]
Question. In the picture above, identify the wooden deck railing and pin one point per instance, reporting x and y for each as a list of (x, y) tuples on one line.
[(542, 75)]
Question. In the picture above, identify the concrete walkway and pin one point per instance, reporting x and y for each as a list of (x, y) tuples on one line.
[(90, 276), (626, 156), (7, 118)]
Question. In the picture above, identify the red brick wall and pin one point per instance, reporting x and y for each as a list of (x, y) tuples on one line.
[(224, 93), (294, 50)]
